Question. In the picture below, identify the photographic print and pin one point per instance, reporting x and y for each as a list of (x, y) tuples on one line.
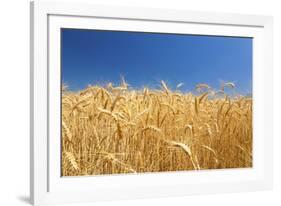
[(138, 102)]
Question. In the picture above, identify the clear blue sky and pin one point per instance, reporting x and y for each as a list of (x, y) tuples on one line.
[(98, 57)]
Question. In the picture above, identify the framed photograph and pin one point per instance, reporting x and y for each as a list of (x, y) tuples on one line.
[(136, 103)]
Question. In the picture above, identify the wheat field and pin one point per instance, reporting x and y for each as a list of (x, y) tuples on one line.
[(115, 130)]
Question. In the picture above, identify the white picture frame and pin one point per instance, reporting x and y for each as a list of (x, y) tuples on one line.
[(47, 185)]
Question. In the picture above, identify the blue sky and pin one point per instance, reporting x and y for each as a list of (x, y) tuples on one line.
[(144, 59)]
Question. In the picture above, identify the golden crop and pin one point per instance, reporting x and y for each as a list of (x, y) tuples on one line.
[(112, 130)]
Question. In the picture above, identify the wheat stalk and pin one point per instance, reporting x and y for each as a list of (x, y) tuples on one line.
[(71, 159)]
